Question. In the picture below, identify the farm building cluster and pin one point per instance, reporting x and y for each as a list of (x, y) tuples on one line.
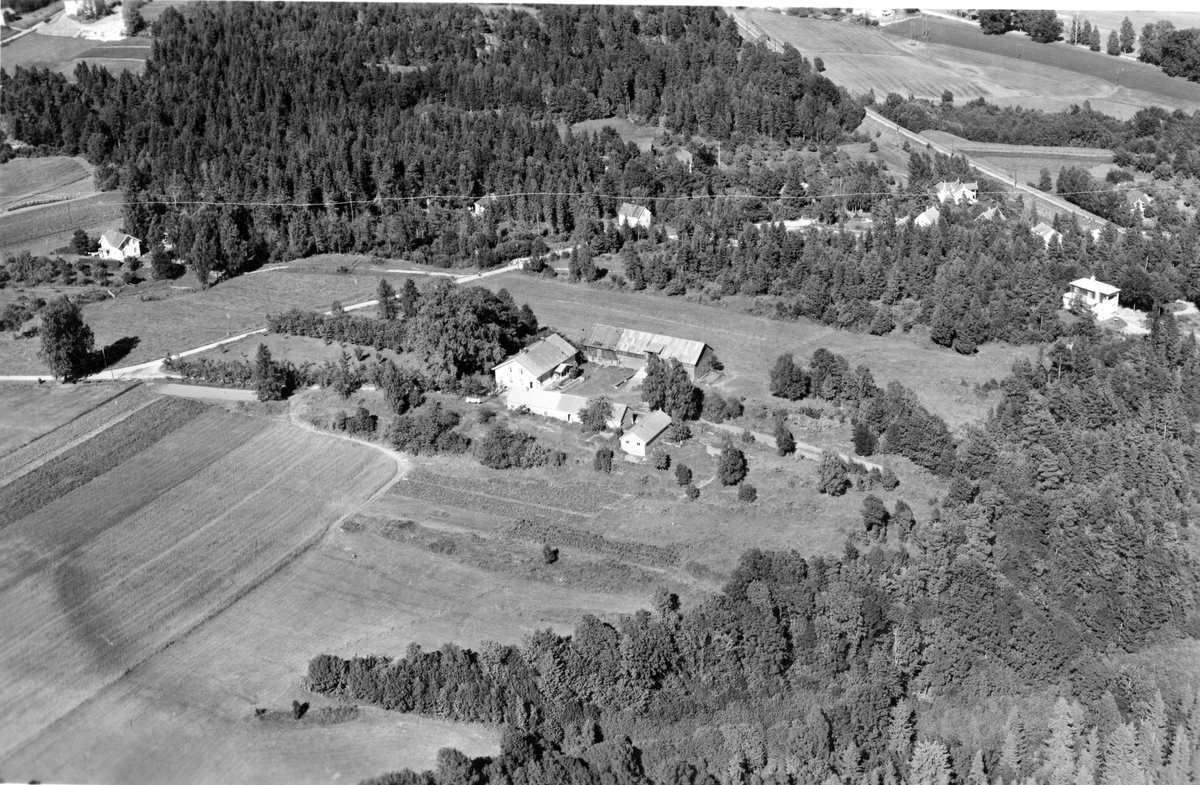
[(538, 378)]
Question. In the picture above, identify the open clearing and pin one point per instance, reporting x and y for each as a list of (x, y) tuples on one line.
[(63, 53), (641, 135), (748, 345), (29, 179), (1025, 162), (42, 230), (1006, 70), (30, 410)]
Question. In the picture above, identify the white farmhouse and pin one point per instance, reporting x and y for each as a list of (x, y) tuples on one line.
[(928, 218), (633, 215), (1048, 233), (957, 191), (1100, 298), (119, 246), (645, 431), (546, 361)]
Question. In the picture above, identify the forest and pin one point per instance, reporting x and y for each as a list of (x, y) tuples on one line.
[(1062, 546)]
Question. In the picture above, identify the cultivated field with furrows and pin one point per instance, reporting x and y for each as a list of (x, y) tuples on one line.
[(749, 344), (1006, 70), (119, 546), (29, 180), (42, 230), (27, 411), (1025, 162)]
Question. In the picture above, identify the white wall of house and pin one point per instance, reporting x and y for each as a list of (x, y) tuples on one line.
[(511, 375)]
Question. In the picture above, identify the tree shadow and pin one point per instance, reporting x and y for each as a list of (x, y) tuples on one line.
[(110, 355)]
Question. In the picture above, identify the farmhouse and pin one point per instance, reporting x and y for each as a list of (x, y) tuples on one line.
[(928, 218), (645, 431), (1101, 298), (631, 348), (119, 246), (1048, 233), (992, 214), (483, 205), (561, 406), (1138, 202), (633, 216), (549, 360), (957, 191)]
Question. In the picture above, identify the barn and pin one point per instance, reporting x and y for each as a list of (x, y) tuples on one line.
[(608, 345)]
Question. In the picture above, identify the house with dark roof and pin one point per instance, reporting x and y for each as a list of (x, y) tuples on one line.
[(646, 430), (633, 215), (119, 246), (610, 345), (549, 360)]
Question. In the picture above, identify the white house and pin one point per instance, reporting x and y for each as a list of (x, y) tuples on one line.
[(609, 345), (645, 431), (548, 360), (992, 214), (1101, 298), (1048, 233), (928, 218), (483, 205), (633, 215), (957, 191), (1138, 202), (119, 246), (561, 406)]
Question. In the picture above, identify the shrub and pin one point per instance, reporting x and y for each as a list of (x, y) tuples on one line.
[(890, 480), (747, 493), (832, 474), (662, 460), (595, 415), (679, 432), (683, 475), (785, 443), (731, 469), (549, 555), (427, 433), (692, 491), (502, 448), (602, 461)]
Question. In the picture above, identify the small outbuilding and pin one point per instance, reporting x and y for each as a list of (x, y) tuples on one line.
[(1102, 299), (646, 430), (549, 360)]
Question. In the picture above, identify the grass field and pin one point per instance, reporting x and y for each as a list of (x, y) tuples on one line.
[(43, 51), (25, 179), (1025, 162), (30, 410), (641, 135), (748, 345), (102, 577), (1006, 70), (41, 230)]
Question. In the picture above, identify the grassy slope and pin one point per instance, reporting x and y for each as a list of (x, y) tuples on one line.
[(23, 179), (42, 230)]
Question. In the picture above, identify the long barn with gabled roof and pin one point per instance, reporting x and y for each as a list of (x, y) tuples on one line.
[(631, 348)]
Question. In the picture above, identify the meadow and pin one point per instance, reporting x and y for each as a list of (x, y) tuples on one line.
[(63, 53), (42, 230), (110, 560), (27, 179), (1025, 162), (641, 135)]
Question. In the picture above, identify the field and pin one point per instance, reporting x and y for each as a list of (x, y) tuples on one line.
[(1006, 70), (26, 179), (41, 230), (62, 53), (152, 607), (29, 410), (1025, 162), (748, 345), (641, 135)]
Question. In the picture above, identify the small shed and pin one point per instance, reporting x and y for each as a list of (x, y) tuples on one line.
[(646, 429)]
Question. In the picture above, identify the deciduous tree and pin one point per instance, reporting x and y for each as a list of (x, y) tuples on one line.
[(66, 340)]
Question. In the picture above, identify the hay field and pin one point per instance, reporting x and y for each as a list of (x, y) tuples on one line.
[(35, 50), (29, 410), (748, 345), (1025, 162), (41, 230), (641, 135), (139, 534), (26, 179)]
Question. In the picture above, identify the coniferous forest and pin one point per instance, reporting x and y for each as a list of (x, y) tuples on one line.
[(1013, 631)]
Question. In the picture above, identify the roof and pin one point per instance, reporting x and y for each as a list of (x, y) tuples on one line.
[(991, 214), (1046, 230), (932, 214), (546, 399), (1138, 195), (1092, 285), (544, 356), (117, 239), (633, 211), (618, 339), (649, 426)]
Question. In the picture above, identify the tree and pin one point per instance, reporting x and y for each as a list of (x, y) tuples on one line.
[(864, 440), (832, 474), (268, 378), (1181, 54), (386, 295), (1094, 40), (1113, 45), (1085, 33), (930, 764), (995, 22), (747, 493), (80, 242), (1128, 36), (947, 98), (410, 298), (875, 517), (785, 443), (1045, 181), (890, 482), (549, 555), (602, 461), (662, 460), (131, 14), (595, 415), (1153, 38), (1044, 27), (66, 341), (788, 380), (731, 468), (668, 387), (818, 64), (163, 267), (683, 475), (403, 389)]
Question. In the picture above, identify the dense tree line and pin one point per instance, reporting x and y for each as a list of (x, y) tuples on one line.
[(1176, 52), (387, 122), (343, 328)]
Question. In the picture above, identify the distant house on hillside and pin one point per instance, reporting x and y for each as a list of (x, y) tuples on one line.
[(85, 8), (928, 218), (631, 348), (992, 214), (119, 246), (1048, 233), (1101, 298), (957, 191), (561, 406), (633, 215), (483, 205), (645, 431), (546, 361), (1138, 201)]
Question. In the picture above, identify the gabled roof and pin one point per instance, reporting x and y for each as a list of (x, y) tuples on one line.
[(1092, 285), (932, 215), (633, 211), (544, 356), (117, 239), (1134, 195), (649, 426), (991, 214), (618, 339), (1046, 231), (546, 399)]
